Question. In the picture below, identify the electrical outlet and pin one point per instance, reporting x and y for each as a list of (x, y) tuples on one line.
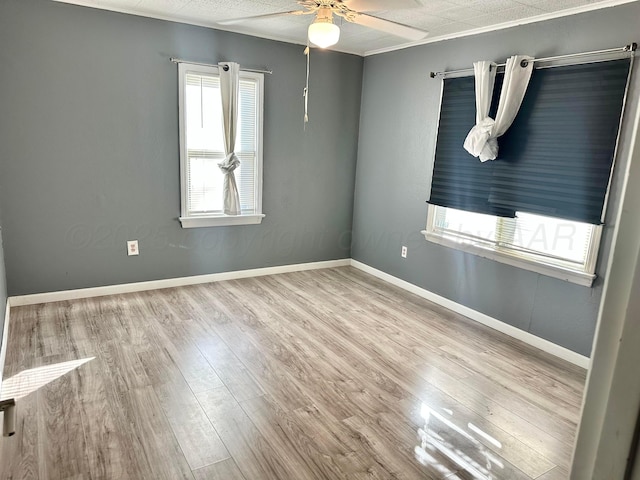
[(132, 247), (404, 252)]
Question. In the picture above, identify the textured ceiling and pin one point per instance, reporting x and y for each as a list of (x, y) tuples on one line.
[(441, 18)]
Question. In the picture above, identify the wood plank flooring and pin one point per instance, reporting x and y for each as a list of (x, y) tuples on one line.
[(326, 374)]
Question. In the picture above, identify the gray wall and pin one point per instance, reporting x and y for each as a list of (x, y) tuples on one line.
[(89, 150), (400, 106)]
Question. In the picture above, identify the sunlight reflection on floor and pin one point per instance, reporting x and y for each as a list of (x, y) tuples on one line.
[(30, 380), (440, 436)]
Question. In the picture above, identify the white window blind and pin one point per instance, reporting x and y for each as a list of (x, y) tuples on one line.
[(556, 239), (565, 245)]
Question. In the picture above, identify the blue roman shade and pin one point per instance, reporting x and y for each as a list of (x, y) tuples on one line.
[(556, 158), (460, 180)]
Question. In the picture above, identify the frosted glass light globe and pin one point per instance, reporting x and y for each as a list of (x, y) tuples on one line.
[(324, 34)]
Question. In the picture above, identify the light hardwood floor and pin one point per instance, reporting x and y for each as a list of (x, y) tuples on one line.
[(327, 374)]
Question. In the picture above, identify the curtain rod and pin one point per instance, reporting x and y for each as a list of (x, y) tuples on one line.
[(627, 48), (254, 70)]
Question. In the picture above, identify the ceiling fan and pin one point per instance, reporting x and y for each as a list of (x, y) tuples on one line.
[(324, 33)]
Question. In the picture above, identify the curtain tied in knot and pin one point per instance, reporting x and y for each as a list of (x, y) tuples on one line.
[(230, 163), (479, 142), (230, 95), (482, 140)]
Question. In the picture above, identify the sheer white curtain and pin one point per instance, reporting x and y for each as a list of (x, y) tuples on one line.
[(485, 74), (230, 93), (482, 140)]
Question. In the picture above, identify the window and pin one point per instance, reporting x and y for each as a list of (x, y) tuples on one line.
[(202, 148), (560, 248), (540, 205)]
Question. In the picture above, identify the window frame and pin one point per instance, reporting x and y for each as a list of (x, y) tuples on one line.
[(219, 219), (521, 259)]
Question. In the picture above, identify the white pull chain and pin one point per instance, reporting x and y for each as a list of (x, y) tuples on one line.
[(307, 52)]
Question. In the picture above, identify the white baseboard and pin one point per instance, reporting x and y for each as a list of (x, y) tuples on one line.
[(48, 297), (3, 347), (526, 337)]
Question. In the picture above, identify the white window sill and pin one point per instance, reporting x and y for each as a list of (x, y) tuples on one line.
[(573, 276), (221, 220)]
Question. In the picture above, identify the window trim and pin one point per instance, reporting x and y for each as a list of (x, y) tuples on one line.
[(215, 220), (531, 262)]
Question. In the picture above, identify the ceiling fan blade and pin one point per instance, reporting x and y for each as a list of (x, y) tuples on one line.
[(233, 21), (387, 26), (373, 5)]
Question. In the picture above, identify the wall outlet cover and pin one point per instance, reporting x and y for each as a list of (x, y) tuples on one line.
[(132, 247)]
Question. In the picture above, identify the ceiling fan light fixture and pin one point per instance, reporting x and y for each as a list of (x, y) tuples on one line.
[(323, 32)]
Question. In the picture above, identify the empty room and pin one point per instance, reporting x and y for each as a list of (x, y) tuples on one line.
[(319, 239)]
